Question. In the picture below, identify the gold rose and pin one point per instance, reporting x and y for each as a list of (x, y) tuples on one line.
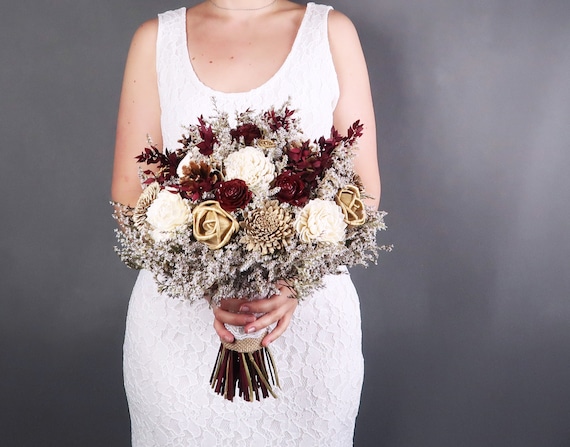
[(212, 225), (352, 207)]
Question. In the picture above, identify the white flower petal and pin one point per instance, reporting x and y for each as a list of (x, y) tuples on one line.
[(166, 214), (321, 221), (253, 167)]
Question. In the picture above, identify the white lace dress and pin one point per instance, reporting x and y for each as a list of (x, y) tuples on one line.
[(170, 345)]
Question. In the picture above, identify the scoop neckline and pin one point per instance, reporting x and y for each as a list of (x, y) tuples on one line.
[(272, 79)]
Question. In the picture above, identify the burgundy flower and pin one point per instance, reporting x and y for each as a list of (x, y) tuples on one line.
[(277, 121), (166, 163), (233, 194), (249, 132), (308, 164), (206, 146), (293, 189), (298, 154)]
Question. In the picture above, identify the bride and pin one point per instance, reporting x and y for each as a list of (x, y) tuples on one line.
[(243, 54)]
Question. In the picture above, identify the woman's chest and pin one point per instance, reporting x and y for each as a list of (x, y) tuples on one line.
[(240, 57)]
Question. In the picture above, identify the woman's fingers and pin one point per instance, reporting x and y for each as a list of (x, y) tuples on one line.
[(239, 312), (223, 316), (282, 325), (267, 305), (278, 309), (236, 319), (223, 333), (232, 304)]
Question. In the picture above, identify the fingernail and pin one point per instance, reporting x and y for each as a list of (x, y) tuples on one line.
[(250, 330), (228, 339), (244, 309)]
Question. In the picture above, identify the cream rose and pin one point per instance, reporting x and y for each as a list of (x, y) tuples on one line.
[(321, 221), (166, 214), (252, 166)]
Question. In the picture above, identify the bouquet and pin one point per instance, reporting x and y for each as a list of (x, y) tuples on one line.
[(238, 208)]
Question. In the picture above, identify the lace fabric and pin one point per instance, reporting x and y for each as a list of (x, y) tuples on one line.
[(170, 345), (313, 91)]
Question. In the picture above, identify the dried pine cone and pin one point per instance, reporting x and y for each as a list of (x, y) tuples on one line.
[(268, 228), (198, 178), (145, 200)]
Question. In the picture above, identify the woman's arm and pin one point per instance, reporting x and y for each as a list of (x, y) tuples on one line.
[(355, 102), (139, 114)]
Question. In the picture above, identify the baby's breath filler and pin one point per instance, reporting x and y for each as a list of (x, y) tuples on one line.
[(242, 209)]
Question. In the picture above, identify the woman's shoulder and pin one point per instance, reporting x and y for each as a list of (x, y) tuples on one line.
[(146, 33), (149, 28), (339, 23), (344, 43)]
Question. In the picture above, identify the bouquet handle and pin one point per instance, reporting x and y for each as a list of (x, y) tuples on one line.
[(246, 367)]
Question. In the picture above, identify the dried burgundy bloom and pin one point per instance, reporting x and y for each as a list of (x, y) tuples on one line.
[(166, 163), (293, 189), (277, 122), (233, 194), (309, 164), (206, 147), (248, 131)]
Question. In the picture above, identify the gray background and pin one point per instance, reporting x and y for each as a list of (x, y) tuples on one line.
[(466, 325)]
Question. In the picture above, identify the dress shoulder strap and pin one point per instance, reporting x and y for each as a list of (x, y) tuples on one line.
[(317, 16), (171, 44)]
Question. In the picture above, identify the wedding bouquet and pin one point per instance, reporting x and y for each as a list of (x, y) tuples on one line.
[(238, 208)]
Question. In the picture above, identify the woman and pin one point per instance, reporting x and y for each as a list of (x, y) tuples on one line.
[(243, 54)]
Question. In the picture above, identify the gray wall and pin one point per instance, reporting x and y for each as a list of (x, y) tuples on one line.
[(466, 324)]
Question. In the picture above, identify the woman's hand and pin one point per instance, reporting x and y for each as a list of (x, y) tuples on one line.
[(279, 309)]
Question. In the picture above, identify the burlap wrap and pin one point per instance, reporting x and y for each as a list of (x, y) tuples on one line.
[(245, 345)]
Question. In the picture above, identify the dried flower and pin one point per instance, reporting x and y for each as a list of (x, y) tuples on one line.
[(233, 194), (206, 146), (265, 144), (277, 121), (308, 160), (252, 166), (165, 162), (321, 221), (145, 200), (248, 131), (352, 207), (274, 217), (292, 188), (212, 225), (166, 214), (196, 178), (267, 228)]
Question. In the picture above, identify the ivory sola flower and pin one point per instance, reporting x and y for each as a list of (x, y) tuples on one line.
[(252, 166), (321, 221), (167, 214)]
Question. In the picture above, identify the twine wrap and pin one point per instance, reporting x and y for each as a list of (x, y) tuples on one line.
[(244, 345)]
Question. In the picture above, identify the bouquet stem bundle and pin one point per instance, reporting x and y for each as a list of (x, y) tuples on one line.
[(246, 367)]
